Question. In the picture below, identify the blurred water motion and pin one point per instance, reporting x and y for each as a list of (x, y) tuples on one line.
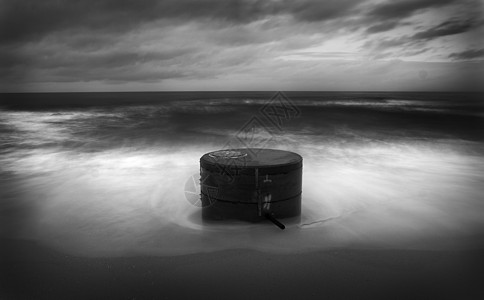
[(110, 180)]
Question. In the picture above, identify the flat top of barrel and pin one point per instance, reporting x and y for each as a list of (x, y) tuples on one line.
[(253, 157)]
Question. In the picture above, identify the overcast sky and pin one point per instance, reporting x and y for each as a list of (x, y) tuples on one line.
[(124, 45)]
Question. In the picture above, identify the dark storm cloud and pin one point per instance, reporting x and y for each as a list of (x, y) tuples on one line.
[(388, 15), (152, 40), (450, 27), (82, 48), (30, 19), (51, 34), (9, 58), (390, 10), (468, 54), (23, 20), (446, 28), (320, 10), (111, 59)]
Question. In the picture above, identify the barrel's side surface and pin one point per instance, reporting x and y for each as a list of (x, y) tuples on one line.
[(222, 210), (240, 196)]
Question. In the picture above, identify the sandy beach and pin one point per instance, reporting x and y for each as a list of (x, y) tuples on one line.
[(31, 271)]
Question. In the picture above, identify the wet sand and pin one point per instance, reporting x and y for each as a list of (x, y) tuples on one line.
[(31, 271)]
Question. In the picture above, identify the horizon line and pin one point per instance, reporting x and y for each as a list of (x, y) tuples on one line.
[(252, 91)]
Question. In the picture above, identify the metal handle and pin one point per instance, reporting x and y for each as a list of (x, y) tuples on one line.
[(275, 221)]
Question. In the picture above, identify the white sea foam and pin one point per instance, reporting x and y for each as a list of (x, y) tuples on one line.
[(126, 201)]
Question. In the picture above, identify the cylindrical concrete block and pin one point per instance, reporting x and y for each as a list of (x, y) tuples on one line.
[(247, 184)]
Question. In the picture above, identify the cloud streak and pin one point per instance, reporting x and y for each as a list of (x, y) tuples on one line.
[(468, 54), (446, 28), (419, 39), (397, 10)]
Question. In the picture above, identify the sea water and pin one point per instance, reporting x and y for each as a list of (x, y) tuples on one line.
[(114, 174)]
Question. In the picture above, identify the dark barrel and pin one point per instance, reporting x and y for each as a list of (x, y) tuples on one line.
[(250, 184)]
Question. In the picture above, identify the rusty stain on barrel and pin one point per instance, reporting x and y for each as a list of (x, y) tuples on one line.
[(250, 184)]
